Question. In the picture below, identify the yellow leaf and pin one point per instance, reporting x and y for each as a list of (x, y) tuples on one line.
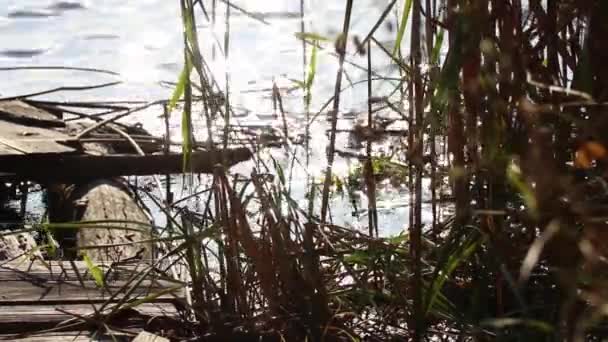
[(595, 150), (581, 159)]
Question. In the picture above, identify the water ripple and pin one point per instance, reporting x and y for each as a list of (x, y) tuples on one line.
[(31, 13), (66, 6), (101, 36), (22, 53)]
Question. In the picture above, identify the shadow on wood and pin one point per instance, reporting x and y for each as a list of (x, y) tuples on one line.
[(73, 168)]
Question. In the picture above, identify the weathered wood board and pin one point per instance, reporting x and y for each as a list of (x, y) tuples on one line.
[(31, 283), (31, 139), (69, 336), (23, 113), (35, 296), (145, 336)]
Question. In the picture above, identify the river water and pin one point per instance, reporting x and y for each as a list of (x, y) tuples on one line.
[(142, 41)]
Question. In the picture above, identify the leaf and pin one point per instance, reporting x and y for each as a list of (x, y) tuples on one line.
[(437, 47), (312, 67), (404, 18), (589, 152), (310, 77), (51, 246), (358, 257), (96, 272), (398, 239), (311, 36), (187, 121), (187, 21), (515, 178), (502, 323), (279, 169), (455, 258), (447, 81), (180, 87), (299, 84)]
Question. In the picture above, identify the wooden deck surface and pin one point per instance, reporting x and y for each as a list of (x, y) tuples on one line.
[(61, 294)]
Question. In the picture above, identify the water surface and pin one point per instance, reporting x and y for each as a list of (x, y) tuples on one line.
[(142, 40)]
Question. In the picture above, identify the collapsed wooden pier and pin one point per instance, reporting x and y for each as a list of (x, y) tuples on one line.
[(37, 145), (119, 289)]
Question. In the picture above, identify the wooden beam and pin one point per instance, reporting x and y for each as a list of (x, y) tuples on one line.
[(72, 168)]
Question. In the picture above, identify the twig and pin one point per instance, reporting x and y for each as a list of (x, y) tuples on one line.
[(336, 107), (110, 120), (558, 89), (101, 71), (59, 89), (245, 12)]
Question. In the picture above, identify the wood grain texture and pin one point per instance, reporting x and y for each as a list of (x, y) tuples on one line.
[(32, 140), (24, 283), (53, 337), (110, 200), (34, 297), (99, 200), (145, 336)]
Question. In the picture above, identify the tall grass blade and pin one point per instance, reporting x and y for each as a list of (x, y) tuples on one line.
[(180, 87), (402, 25), (454, 259)]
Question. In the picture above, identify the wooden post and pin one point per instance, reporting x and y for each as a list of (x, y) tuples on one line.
[(125, 236)]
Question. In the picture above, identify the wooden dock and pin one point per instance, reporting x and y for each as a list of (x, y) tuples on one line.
[(80, 168), (37, 145), (59, 298)]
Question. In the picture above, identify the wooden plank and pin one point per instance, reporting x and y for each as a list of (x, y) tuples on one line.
[(33, 320), (55, 314), (7, 150), (25, 114), (32, 140), (22, 293), (145, 336), (35, 296), (23, 284), (63, 270), (69, 336), (74, 168)]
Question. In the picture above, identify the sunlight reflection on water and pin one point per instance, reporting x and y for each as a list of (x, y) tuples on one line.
[(142, 40)]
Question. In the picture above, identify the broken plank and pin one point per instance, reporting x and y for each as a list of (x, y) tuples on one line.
[(25, 114), (75, 168)]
